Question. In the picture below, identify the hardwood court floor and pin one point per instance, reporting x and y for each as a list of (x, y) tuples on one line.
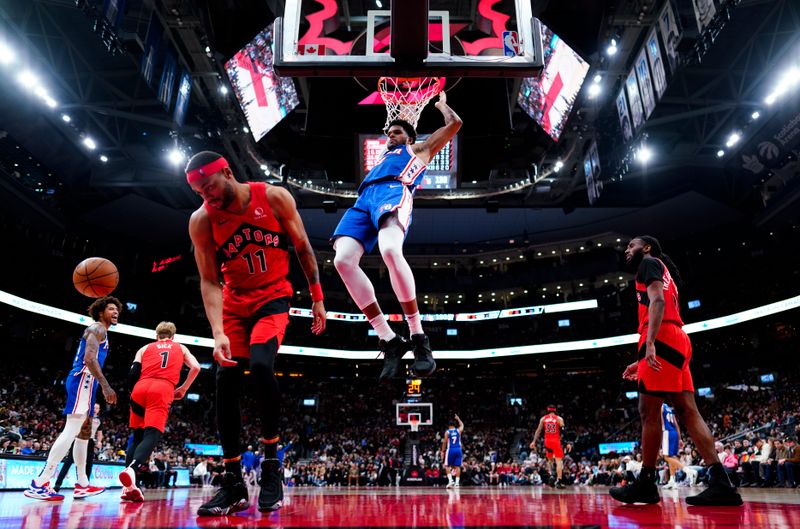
[(582, 507)]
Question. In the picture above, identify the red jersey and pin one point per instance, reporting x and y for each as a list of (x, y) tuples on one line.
[(252, 250), (652, 269), (163, 359), (552, 430)]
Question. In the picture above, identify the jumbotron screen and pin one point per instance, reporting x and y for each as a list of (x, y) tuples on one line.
[(441, 173), (264, 97), (549, 98)]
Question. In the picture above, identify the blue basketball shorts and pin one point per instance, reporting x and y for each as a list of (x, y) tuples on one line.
[(81, 394), (453, 458), (669, 443), (363, 220)]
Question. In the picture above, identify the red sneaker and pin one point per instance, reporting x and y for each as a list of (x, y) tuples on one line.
[(132, 494), (85, 492)]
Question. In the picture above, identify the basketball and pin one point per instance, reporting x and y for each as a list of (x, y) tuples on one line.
[(95, 277)]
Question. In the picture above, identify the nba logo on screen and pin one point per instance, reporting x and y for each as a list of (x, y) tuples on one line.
[(510, 44)]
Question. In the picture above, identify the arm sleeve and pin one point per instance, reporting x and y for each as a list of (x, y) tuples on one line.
[(134, 373), (650, 270)]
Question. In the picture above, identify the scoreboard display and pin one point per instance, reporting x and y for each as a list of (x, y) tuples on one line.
[(441, 172)]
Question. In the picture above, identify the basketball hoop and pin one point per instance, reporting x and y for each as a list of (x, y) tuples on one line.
[(413, 421), (405, 97)]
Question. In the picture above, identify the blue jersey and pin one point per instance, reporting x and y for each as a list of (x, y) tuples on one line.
[(667, 418), (453, 439), (249, 460), (400, 164), (79, 363)]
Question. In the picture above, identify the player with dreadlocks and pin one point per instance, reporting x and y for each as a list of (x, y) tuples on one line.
[(662, 373)]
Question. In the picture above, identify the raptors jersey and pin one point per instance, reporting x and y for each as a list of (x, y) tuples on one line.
[(162, 359), (252, 250), (552, 430), (400, 164), (652, 269)]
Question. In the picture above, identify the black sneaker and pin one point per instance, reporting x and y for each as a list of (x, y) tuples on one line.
[(393, 352), (636, 491), (559, 485), (230, 498), (424, 364), (270, 498), (717, 495)]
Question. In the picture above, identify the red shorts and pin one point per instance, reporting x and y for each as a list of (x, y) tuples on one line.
[(552, 448), (150, 402), (674, 351), (242, 333)]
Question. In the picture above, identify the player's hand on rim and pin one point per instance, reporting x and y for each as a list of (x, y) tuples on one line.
[(442, 100), (650, 357), (222, 351), (320, 316)]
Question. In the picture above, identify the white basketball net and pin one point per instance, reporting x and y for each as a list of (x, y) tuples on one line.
[(405, 97), (413, 421)]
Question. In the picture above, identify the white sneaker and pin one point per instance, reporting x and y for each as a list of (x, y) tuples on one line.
[(669, 485), (450, 485)]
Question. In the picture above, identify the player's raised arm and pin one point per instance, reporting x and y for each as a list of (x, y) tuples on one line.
[(452, 123), (206, 257), (95, 334), (460, 424), (285, 210), (194, 369)]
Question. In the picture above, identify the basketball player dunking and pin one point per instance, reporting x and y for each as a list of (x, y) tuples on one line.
[(452, 452), (552, 425), (156, 369), (662, 370), (382, 215), (243, 231), (82, 382)]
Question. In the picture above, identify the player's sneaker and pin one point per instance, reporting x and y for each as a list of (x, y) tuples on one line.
[(424, 364), (716, 495), (670, 484), (43, 492), (230, 498), (84, 492), (393, 352), (270, 497), (450, 485), (637, 491), (130, 492), (559, 485)]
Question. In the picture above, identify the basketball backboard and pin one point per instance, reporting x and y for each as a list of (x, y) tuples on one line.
[(340, 38), (423, 409)]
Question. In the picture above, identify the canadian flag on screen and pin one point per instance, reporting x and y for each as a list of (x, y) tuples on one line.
[(311, 49)]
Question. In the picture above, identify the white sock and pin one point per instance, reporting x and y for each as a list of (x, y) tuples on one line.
[(59, 449), (414, 323), (449, 477), (458, 479), (381, 327), (79, 454)]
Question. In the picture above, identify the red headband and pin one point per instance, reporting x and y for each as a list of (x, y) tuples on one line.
[(551, 408), (206, 170)]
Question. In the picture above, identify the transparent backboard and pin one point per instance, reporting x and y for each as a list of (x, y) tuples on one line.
[(423, 409), (489, 38)]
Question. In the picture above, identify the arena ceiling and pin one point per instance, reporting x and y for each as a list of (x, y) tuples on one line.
[(721, 84)]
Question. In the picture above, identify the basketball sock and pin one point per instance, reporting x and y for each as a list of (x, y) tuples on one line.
[(449, 477), (718, 476), (414, 323), (648, 474), (390, 243), (381, 327), (138, 434), (458, 480), (234, 466), (72, 427), (79, 450), (270, 447), (262, 367), (144, 449), (229, 418)]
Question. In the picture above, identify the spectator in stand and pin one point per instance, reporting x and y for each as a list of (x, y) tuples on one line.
[(789, 466), (751, 469), (731, 464), (201, 473)]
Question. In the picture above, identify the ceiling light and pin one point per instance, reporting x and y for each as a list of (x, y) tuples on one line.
[(755, 115), (175, 156), (6, 54), (208, 49), (720, 153), (245, 129), (594, 90), (223, 89), (378, 3), (644, 154), (263, 167), (89, 142), (733, 139), (66, 118), (597, 79), (103, 158), (27, 79), (612, 48)]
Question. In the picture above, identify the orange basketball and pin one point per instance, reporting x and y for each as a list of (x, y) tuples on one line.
[(95, 277)]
